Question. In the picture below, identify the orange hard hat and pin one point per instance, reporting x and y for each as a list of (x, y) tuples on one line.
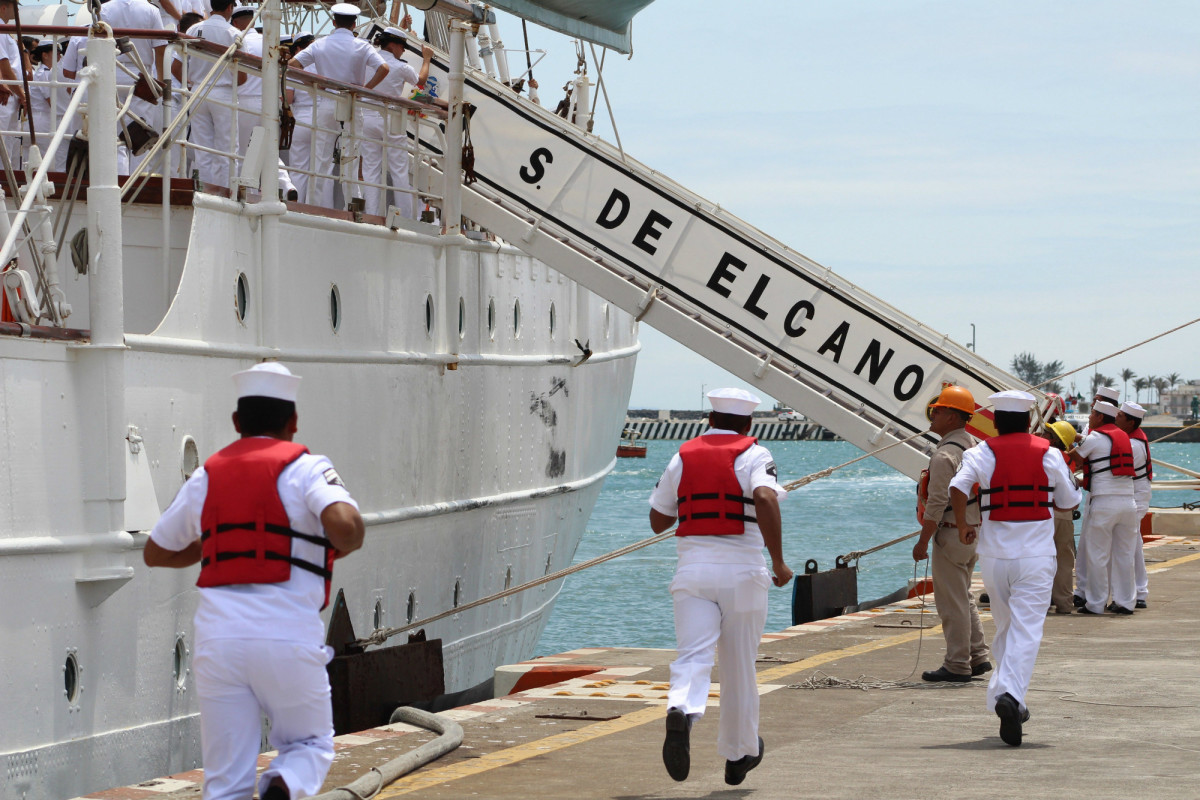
[(956, 397)]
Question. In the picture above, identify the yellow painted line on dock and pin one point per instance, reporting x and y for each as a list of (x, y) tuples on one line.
[(541, 747), (1174, 562)]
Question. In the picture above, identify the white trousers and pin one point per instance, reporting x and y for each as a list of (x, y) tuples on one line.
[(300, 154), (373, 156), (330, 134), (9, 121), (212, 126), (1141, 578), (1019, 589), (1109, 529), (239, 679), (721, 607)]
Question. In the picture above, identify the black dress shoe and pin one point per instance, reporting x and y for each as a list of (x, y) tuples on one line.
[(1078, 601), (943, 674), (293, 195), (1116, 609), (983, 598), (1088, 611), (980, 668), (676, 747), (1140, 604), (735, 771), (1009, 712)]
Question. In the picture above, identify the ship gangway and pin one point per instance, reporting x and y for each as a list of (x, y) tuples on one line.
[(785, 324)]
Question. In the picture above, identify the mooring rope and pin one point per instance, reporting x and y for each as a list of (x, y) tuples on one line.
[(1119, 352)]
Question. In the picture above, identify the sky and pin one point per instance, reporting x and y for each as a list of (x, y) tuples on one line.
[(1031, 169)]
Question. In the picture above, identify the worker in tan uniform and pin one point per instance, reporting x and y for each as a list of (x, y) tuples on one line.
[(953, 562), (1061, 436)]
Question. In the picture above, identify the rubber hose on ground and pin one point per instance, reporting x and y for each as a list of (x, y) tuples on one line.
[(450, 736)]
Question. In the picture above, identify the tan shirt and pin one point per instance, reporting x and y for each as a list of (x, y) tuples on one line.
[(942, 465)]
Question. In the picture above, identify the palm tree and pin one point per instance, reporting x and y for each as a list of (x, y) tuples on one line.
[(1138, 385), (1174, 379), (1150, 379), (1161, 384), (1127, 375)]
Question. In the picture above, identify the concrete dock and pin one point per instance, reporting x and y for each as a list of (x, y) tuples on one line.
[(1115, 705)]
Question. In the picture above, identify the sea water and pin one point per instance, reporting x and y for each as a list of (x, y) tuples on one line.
[(625, 602)]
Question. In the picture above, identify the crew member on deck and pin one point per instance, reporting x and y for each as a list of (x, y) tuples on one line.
[(1110, 522), (390, 143), (212, 121), (953, 562), (12, 96), (266, 520), (1020, 480), (723, 488), (1129, 419), (340, 57)]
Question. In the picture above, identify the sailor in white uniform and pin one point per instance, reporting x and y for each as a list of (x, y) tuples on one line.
[(259, 637), (12, 96), (1129, 419), (1110, 521), (212, 122), (340, 57), (721, 580), (250, 95), (1105, 394), (1021, 479), (300, 95), (391, 138), (128, 14)]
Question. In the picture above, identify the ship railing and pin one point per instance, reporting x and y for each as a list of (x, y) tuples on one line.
[(407, 124)]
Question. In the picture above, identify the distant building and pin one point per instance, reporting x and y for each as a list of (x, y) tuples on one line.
[(1178, 401)]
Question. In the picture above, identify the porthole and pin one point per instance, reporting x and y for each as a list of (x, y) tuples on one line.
[(607, 319), (429, 315), (457, 592), (462, 318), (552, 320), (180, 664), (378, 614), (335, 308), (491, 318), (508, 578), (189, 457), (243, 297), (410, 612), (71, 678), (516, 318)]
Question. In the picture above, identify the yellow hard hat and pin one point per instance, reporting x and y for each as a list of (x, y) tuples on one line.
[(1064, 432), (956, 397)]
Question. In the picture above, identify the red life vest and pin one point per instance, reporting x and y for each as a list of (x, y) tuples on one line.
[(1147, 471), (1119, 461), (245, 533), (710, 497), (1020, 490)]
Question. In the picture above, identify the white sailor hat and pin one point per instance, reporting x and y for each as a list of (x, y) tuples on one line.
[(270, 379), (239, 10), (1107, 409), (1012, 400), (733, 401), (395, 32), (286, 38), (42, 43), (1109, 392), (1133, 410), (345, 10)]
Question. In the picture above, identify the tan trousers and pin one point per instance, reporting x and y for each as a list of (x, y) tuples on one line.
[(1064, 546), (952, 563)]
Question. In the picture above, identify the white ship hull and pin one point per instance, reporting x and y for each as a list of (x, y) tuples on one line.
[(474, 477)]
